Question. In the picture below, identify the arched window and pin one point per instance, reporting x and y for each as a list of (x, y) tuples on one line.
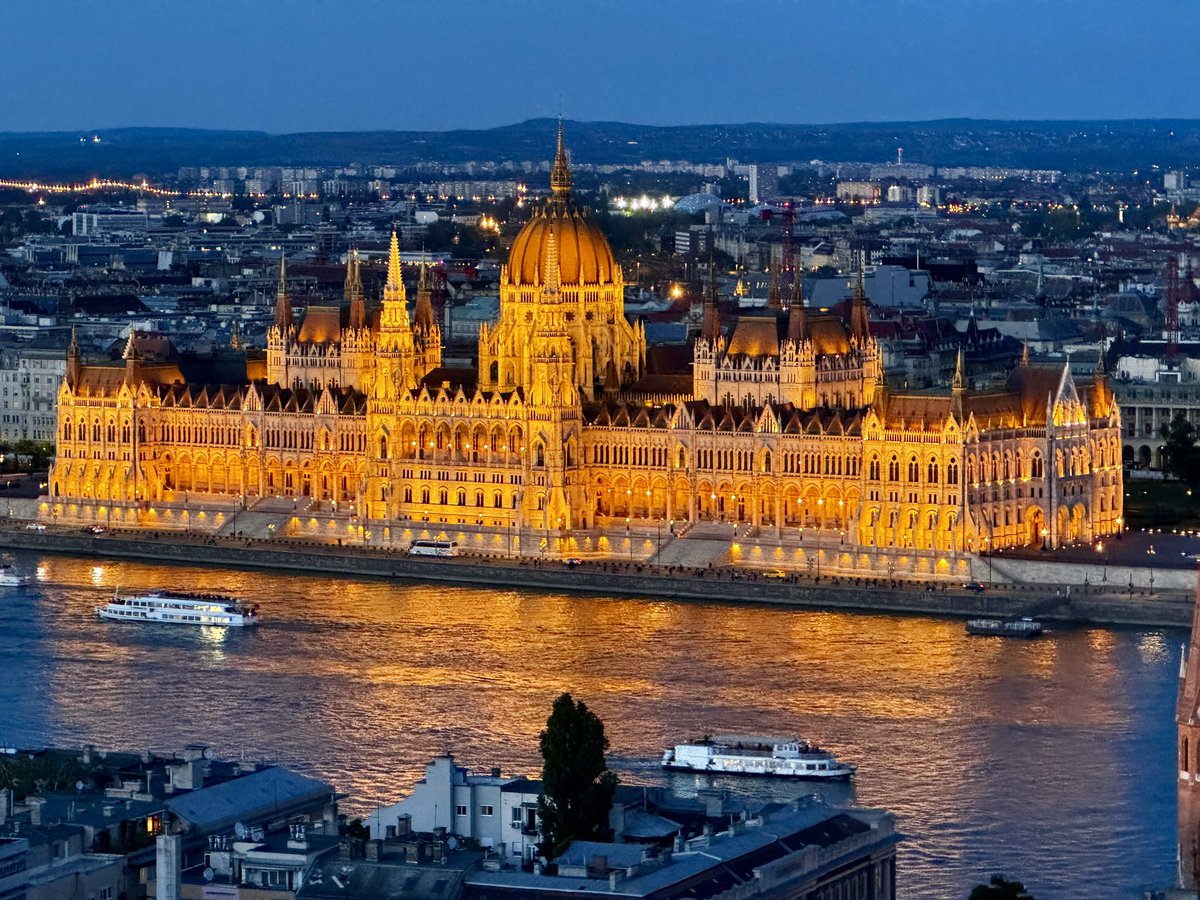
[(425, 495), (539, 455), (495, 372), (933, 472), (873, 472), (408, 495), (479, 498), (952, 472), (681, 459), (766, 461), (442, 497), (383, 447), (914, 469), (894, 468), (460, 497)]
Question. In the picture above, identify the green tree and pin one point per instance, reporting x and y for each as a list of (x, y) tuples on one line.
[(577, 787), (1181, 458), (1000, 888)]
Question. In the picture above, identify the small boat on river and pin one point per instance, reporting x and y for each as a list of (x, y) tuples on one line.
[(775, 757), (180, 608), (1024, 627), (10, 577)]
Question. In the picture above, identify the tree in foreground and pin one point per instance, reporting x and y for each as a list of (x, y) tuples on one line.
[(577, 787), (1181, 457), (1000, 888)]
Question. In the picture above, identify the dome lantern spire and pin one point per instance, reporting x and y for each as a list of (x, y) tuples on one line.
[(560, 173)]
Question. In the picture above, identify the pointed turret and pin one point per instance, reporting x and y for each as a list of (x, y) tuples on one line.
[(395, 297), (1100, 394), (560, 172), (353, 293), (74, 360), (710, 326), (551, 269), (797, 318), (133, 358), (284, 319), (1025, 354), (423, 318), (774, 296), (958, 387), (859, 323)]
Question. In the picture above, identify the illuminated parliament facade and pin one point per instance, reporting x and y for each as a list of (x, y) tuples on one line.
[(784, 421)]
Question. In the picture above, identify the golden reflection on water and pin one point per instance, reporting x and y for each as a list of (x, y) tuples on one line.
[(362, 682)]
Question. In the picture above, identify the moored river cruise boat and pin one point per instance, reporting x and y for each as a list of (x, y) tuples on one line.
[(777, 757), (179, 608)]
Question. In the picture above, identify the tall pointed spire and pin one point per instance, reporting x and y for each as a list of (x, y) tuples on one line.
[(423, 318), (1100, 395), (1025, 353), (774, 296), (859, 324), (560, 172), (74, 360), (284, 320), (395, 274), (551, 270), (797, 318), (960, 378), (710, 326), (353, 292)]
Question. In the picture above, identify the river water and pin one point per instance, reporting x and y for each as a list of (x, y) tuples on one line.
[(1049, 761)]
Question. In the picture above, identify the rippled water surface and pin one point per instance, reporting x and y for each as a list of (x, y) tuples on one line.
[(1049, 761)]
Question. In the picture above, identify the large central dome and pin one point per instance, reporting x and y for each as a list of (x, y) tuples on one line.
[(583, 251)]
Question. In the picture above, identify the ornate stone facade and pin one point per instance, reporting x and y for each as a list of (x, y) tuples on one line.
[(784, 423)]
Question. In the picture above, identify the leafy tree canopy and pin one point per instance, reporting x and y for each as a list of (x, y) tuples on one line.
[(577, 787)]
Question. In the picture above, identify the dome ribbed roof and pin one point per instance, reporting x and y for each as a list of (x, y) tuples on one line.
[(583, 251)]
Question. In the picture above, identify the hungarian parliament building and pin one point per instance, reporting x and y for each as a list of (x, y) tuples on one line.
[(782, 421)]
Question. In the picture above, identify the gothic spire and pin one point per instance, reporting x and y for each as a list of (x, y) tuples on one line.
[(283, 304), (710, 327), (1025, 353), (353, 292), (797, 320), (560, 173), (552, 271), (774, 297), (74, 360), (859, 324), (960, 379), (423, 318)]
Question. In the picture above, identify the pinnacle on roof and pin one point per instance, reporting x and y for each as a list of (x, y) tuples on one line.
[(395, 274), (354, 293), (560, 173), (551, 275), (774, 297), (283, 304), (960, 379), (423, 314), (1025, 353)]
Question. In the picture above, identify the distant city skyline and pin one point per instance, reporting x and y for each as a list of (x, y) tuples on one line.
[(323, 66)]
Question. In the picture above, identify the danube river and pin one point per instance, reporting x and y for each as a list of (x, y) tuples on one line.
[(1049, 761)]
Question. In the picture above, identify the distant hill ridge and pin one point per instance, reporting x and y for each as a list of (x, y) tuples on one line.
[(1119, 145)]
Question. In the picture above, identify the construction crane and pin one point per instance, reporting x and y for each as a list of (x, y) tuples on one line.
[(1175, 291)]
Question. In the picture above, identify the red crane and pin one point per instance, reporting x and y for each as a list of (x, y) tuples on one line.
[(1174, 295)]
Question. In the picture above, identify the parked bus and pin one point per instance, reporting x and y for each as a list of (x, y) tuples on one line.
[(433, 548)]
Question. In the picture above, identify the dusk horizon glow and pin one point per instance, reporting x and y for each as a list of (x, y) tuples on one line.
[(319, 66)]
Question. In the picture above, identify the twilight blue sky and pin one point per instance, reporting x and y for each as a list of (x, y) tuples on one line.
[(299, 65)]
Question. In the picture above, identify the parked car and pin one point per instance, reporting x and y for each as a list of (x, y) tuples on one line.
[(975, 586), (93, 529), (35, 526), (573, 561)]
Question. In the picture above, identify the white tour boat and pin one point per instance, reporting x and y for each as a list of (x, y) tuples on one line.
[(779, 757), (178, 608), (10, 577)]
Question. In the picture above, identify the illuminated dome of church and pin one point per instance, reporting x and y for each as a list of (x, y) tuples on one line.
[(583, 251)]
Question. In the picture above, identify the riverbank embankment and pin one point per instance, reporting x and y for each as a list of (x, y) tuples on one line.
[(1050, 602)]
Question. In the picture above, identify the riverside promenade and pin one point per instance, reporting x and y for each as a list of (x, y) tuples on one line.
[(1067, 602)]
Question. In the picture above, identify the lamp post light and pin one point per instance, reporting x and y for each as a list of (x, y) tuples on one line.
[(1045, 534)]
